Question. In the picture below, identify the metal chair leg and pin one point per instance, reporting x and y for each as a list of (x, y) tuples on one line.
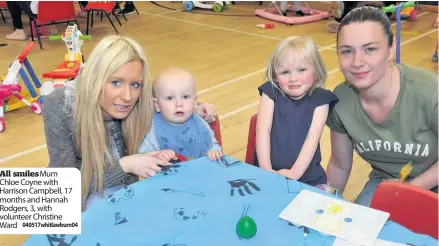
[(3, 17), (115, 16), (88, 17), (38, 35), (117, 32)]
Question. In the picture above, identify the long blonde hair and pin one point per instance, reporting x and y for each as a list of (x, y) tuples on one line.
[(307, 48), (107, 57)]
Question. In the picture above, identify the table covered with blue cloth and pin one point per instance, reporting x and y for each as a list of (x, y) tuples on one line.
[(199, 202)]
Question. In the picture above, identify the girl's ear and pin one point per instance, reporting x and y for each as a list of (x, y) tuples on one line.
[(156, 105)]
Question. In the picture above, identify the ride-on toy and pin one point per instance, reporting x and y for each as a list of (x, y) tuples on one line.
[(69, 69), (217, 6), (11, 87)]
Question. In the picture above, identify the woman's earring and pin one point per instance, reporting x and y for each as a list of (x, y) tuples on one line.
[(339, 68), (392, 62)]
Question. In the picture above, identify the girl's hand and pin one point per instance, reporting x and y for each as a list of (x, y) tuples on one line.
[(206, 111), (143, 165), (166, 155), (285, 172), (214, 154)]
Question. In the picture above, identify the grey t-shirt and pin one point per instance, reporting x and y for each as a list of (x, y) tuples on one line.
[(410, 132), (61, 144)]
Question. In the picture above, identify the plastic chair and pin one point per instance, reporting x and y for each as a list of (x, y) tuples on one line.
[(410, 206), (215, 126), (102, 7), (133, 2), (52, 13), (251, 141)]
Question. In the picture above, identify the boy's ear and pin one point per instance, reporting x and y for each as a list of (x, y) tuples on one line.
[(156, 105)]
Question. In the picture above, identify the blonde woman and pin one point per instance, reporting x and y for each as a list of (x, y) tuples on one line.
[(292, 112), (99, 125)]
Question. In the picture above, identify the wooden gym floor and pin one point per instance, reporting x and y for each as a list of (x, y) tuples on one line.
[(226, 54)]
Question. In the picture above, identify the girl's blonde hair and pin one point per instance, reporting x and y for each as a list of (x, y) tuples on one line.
[(107, 57), (307, 49)]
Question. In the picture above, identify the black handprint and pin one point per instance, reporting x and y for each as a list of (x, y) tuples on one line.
[(169, 169), (241, 184)]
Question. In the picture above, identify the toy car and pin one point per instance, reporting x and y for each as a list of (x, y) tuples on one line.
[(217, 6)]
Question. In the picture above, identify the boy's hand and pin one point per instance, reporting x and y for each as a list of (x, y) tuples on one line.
[(166, 155), (214, 154)]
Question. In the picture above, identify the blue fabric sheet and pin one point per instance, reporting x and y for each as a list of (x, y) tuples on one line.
[(199, 202)]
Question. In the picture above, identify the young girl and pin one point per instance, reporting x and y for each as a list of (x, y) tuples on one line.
[(292, 112)]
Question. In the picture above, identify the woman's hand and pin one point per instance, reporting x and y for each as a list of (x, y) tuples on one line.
[(214, 154), (166, 155), (206, 111), (143, 165)]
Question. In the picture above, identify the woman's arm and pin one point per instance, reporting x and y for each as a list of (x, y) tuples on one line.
[(340, 163), (427, 179), (59, 138), (311, 142), (206, 111), (263, 131)]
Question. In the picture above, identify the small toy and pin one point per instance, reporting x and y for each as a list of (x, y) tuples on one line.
[(180, 158), (246, 226), (69, 69), (408, 13), (265, 26), (10, 86), (217, 6)]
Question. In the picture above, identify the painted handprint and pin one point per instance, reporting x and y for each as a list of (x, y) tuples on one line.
[(241, 185)]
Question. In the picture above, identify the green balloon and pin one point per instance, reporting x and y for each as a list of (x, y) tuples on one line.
[(246, 227)]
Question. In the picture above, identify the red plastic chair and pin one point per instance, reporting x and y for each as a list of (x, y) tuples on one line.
[(52, 13), (251, 141), (215, 126), (410, 206), (102, 7)]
